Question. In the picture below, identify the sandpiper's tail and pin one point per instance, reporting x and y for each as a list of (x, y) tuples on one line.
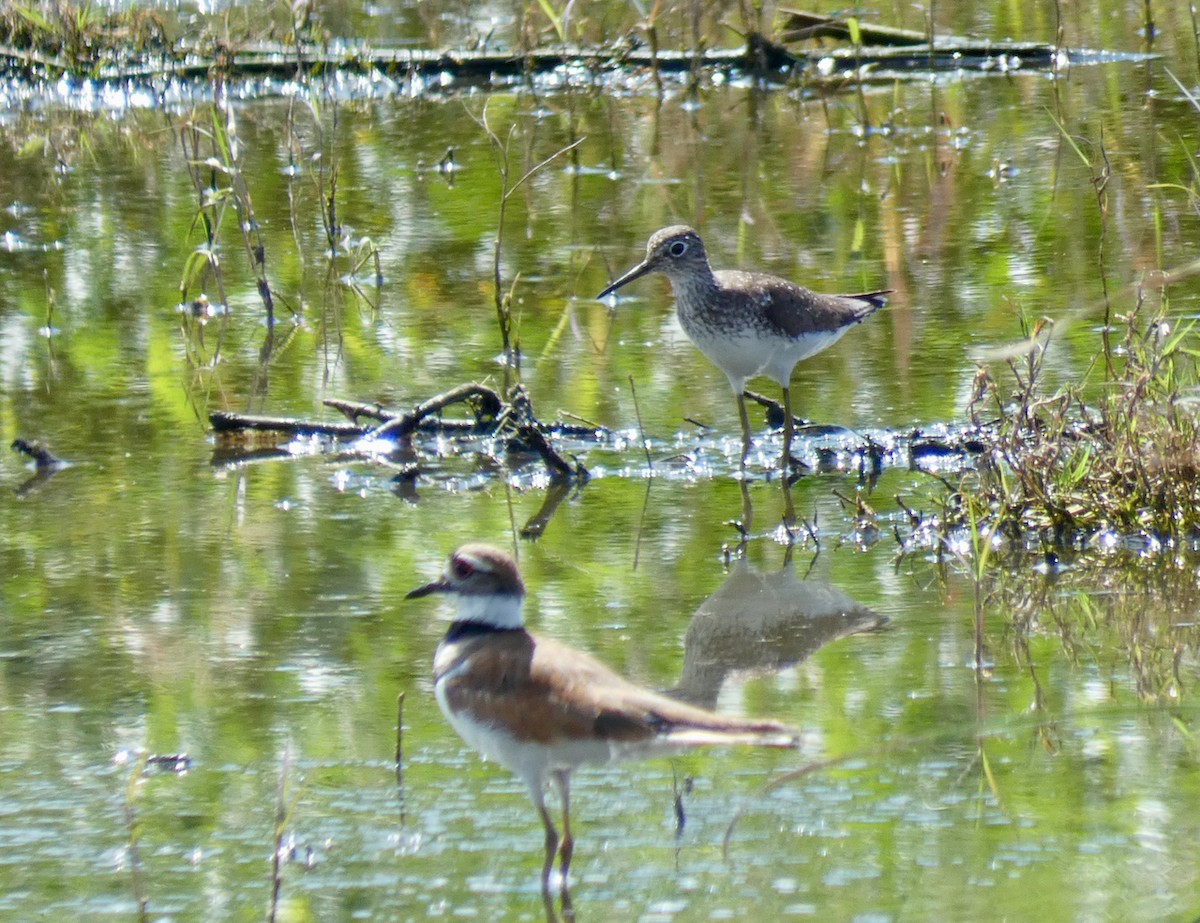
[(870, 301)]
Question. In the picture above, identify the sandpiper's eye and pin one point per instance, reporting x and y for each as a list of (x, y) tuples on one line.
[(461, 568), (678, 248)]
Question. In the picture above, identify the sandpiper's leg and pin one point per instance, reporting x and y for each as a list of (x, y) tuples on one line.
[(539, 801), (785, 467), (747, 511), (789, 510), (741, 396), (788, 427), (567, 850)]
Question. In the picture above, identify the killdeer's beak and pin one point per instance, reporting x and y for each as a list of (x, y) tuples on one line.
[(636, 273), (437, 586)]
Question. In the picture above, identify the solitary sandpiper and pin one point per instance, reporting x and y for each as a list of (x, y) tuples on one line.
[(748, 323), (543, 709)]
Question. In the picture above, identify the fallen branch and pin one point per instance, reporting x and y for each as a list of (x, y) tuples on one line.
[(352, 410), (492, 416), (485, 403), (800, 25), (488, 404), (530, 437), (226, 421)]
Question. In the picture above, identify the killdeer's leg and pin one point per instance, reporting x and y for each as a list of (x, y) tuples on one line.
[(551, 837), (567, 849), (548, 903)]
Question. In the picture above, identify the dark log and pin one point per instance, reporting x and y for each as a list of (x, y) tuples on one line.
[(883, 46)]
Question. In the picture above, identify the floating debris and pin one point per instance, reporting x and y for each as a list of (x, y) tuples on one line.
[(42, 457)]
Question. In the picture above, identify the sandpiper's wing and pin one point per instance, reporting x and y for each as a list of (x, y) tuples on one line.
[(813, 313), (796, 311)]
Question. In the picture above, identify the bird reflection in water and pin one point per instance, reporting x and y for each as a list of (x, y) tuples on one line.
[(763, 622)]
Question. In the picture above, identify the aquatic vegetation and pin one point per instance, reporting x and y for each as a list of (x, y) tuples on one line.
[(85, 41), (80, 37), (1122, 456)]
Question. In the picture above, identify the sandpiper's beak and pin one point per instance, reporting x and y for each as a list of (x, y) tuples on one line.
[(636, 273), (437, 586)]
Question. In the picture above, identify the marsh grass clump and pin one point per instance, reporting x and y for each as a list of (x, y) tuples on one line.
[(1120, 457)]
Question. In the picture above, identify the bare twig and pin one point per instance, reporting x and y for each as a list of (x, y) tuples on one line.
[(504, 301), (400, 740), (133, 828), (641, 429)]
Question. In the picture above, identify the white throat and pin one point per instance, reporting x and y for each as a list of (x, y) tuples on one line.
[(497, 610)]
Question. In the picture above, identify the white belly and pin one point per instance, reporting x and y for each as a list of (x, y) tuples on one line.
[(746, 354), (530, 760)]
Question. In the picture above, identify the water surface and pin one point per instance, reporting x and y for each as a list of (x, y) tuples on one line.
[(252, 616)]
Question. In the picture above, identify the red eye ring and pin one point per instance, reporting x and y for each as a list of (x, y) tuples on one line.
[(461, 568)]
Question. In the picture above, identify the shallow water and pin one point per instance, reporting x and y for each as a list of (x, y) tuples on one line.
[(157, 599)]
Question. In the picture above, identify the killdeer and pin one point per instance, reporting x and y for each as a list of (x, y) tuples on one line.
[(748, 323), (543, 709)]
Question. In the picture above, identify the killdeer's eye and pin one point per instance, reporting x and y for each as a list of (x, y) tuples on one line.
[(678, 248), (461, 568)]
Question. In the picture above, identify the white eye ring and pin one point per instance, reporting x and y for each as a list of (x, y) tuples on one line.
[(678, 248)]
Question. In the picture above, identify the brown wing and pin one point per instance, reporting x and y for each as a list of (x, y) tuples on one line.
[(544, 691), (811, 312), (797, 311)]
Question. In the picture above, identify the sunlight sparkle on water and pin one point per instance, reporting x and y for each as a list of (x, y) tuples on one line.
[(174, 587)]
